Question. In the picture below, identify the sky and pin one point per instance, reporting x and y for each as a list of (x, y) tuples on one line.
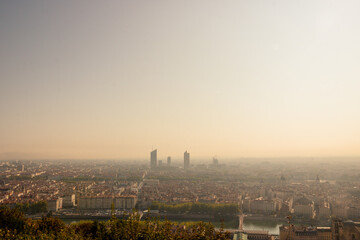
[(117, 79)]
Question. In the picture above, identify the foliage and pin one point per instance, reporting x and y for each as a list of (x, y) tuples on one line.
[(12, 219), (27, 208), (202, 208), (13, 225)]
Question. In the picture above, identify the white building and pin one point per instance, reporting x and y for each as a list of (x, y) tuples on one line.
[(68, 200), (54, 204), (125, 202)]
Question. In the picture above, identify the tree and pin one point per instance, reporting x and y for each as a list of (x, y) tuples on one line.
[(51, 225), (12, 219)]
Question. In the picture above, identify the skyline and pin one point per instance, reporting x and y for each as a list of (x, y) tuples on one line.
[(240, 79)]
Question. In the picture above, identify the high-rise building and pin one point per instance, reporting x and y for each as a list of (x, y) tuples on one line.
[(21, 167), (153, 159), (168, 161), (186, 160)]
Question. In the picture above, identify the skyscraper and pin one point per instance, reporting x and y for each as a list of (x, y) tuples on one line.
[(168, 161), (153, 159), (186, 160)]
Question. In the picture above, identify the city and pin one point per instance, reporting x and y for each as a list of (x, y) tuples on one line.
[(256, 191), (179, 120)]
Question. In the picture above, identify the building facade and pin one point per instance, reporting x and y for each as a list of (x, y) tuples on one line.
[(106, 202), (55, 204), (186, 160), (153, 159), (125, 202), (68, 201), (263, 206)]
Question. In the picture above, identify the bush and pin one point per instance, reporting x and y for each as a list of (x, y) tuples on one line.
[(13, 225)]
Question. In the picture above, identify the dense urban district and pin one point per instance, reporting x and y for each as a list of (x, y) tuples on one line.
[(312, 198)]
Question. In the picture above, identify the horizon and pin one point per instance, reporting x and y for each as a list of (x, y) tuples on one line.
[(236, 79), (180, 158)]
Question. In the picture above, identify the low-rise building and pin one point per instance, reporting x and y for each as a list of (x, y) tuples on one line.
[(345, 230), (324, 211), (263, 206), (354, 213), (303, 207), (324, 233), (339, 212), (298, 233)]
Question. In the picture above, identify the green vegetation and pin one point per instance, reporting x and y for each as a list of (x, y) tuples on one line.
[(14, 225), (38, 207), (198, 208)]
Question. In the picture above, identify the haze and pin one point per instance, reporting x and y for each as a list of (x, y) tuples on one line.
[(116, 79)]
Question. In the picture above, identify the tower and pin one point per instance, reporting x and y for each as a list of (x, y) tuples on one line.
[(153, 159), (168, 161), (186, 160)]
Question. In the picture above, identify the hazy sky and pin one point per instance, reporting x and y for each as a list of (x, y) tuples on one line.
[(115, 79)]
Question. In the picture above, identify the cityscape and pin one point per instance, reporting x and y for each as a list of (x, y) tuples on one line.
[(179, 120), (259, 198)]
